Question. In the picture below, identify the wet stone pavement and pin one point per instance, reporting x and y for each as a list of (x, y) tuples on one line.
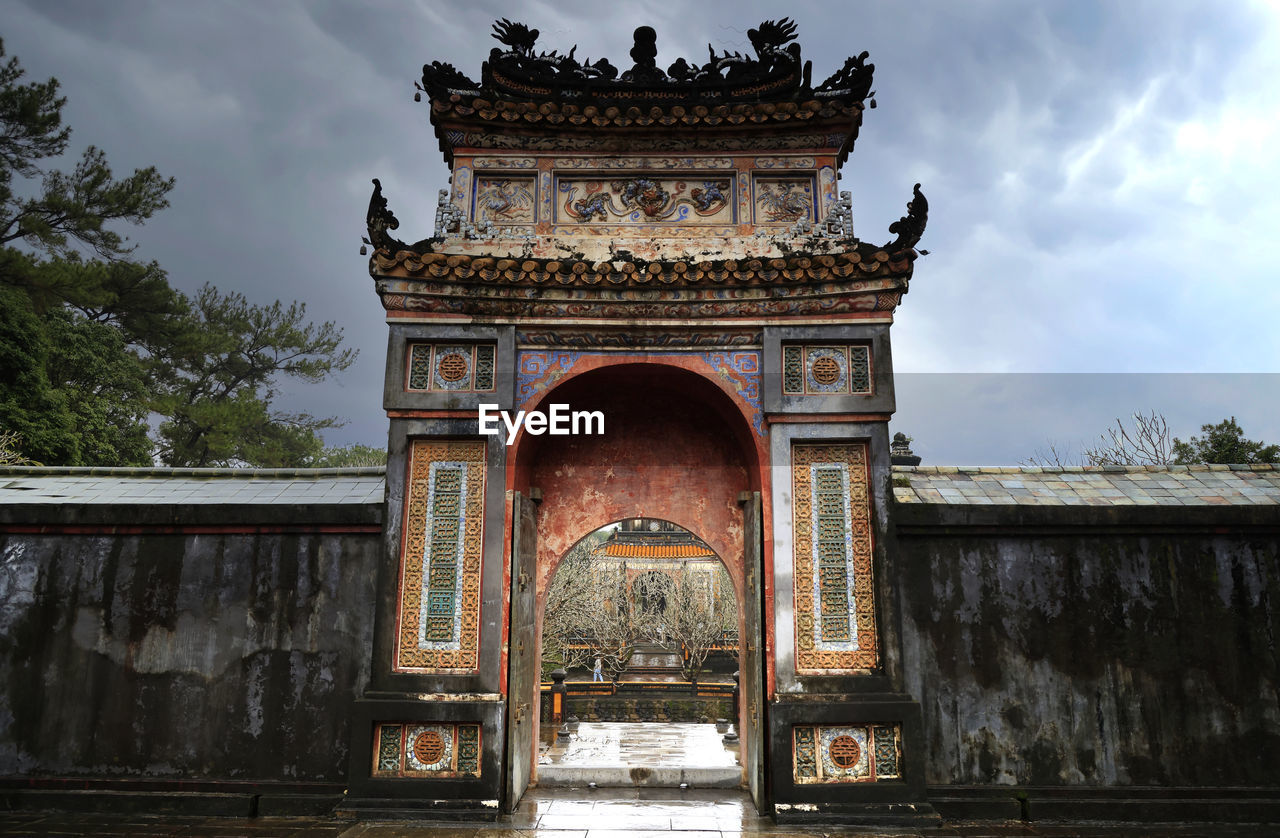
[(573, 811), (623, 754), (670, 745), (581, 813)]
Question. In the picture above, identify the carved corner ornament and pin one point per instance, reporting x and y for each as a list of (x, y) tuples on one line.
[(379, 220), (910, 227)]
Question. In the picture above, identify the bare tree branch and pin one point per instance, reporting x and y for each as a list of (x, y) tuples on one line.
[(1144, 443)]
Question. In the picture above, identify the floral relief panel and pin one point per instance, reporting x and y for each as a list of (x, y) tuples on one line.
[(783, 200)]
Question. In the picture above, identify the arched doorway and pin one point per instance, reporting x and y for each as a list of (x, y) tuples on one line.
[(677, 447), (639, 650)]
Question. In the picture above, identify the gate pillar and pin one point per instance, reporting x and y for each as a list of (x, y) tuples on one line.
[(844, 739), (429, 734)]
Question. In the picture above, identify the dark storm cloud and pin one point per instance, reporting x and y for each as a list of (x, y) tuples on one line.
[(1091, 167)]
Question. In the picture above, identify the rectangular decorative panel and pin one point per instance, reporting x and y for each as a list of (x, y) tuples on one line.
[(826, 370), (485, 353), (783, 200), (440, 568), (831, 513), (504, 199), (464, 367), (846, 753), (426, 750), (696, 198)]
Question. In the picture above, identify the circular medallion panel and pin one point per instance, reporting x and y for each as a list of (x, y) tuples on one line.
[(453, 367), (428, 747), (826, 371), (844, 751)]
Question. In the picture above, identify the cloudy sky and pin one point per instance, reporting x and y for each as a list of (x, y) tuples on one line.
[(1102, 179)]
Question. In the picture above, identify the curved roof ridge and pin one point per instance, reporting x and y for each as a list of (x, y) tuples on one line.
[(773, 70)]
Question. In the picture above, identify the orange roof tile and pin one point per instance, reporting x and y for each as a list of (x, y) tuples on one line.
[(657, 551)]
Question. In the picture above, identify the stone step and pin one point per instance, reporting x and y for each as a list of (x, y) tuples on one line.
[(627, 776)]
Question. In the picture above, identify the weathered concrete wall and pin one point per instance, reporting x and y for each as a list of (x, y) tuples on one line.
[(211, 654), (1094, 646)]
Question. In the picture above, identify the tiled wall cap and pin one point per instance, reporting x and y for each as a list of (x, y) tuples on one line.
[(159, 471), (1133, 469)]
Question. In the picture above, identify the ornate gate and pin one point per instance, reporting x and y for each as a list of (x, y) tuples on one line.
[(665, 250)]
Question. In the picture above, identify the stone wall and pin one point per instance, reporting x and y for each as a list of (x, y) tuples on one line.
[(1095, 646), (1050, 647), (172, 642)]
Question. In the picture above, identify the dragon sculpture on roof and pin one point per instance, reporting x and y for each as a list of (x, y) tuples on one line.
[(775, 71)]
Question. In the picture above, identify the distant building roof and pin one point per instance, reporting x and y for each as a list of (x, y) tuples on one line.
[(1205, 485), (656, 551), (160, 486)]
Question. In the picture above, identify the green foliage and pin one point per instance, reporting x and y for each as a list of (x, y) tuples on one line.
[(91, 345), (30, 406), (71, 389), (68, 208), (106, 389), (11, 450), (32, 116), (217, 383), (1148, 443), (1224, 443), (350, 456), (134, 297), (76, 207)]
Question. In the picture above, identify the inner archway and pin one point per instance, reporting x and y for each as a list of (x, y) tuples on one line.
[(639, 654)]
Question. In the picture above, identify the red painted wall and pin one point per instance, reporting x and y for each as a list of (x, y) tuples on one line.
[(670, 451)]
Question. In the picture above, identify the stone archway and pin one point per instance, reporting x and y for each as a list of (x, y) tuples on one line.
[(676, 447)]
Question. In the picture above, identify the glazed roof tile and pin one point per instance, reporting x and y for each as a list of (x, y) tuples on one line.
[(1203, 485), (860, 260), (657, 551), (205, 486)]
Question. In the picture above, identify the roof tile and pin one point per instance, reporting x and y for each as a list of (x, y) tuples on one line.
[(1202, 485)]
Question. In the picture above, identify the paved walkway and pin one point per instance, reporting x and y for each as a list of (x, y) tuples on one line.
[(669, 745), (625, 754), (574, 813), (632, 811)]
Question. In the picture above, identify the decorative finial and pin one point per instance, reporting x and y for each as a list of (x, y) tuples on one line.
[(645, 50), (910, 227), (379, 220), (515, 35), (900, 451)]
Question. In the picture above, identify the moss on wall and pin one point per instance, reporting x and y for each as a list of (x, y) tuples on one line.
[(1130, 651), (230, 656)]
